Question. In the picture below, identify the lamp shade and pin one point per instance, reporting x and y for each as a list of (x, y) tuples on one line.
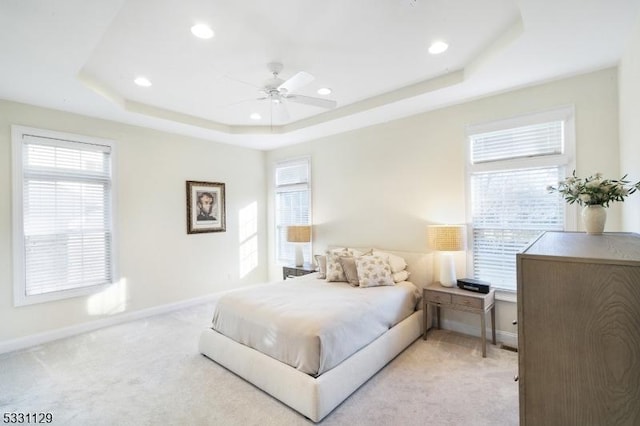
[(299, 234), (447, 237)]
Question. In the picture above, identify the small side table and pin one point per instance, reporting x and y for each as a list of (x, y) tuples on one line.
[(289, 271), (461, 300)]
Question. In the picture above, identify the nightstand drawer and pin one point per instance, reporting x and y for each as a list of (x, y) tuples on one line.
[(434, 296), (470, 302)]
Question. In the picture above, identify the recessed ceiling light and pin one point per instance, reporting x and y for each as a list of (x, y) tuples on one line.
[(324, 91), (202, 31), (142, 81), (255, 116), (438, 47)]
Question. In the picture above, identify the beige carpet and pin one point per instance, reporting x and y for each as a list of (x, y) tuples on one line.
[(150, 372)]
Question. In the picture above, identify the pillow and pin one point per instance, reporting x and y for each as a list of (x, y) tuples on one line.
[(396, 262), (373, 271), (350, 251), (401, 276), (357, 252), (335, 273), (321, 261), (348, 264)]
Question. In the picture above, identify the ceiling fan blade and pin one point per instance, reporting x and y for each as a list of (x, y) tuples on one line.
[(294, 83), (308, 100)]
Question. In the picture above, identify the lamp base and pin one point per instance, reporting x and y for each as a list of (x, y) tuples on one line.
[(299, 256), (447, 270)]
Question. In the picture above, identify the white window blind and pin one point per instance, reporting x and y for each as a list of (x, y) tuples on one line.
[(66, 235), (510, 206), (293, 204), (509, 209), (525, 141)]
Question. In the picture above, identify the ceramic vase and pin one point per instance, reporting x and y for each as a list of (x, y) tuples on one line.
[(594, 218)]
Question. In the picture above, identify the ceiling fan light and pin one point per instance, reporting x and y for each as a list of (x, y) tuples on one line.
[(142, 81), (255, 116), (202, 31), (438, 47), (324, 91)]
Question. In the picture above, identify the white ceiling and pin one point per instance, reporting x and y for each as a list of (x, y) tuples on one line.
[(82, 56)]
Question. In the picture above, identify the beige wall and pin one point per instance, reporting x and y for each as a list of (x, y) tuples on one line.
[(629, 89), (381, 186), (158, 262)]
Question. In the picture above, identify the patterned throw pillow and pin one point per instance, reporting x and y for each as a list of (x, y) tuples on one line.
[(335, 273), (374, 271), (397, 263)]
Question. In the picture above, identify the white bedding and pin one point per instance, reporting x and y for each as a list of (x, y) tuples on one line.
[(311, 324)]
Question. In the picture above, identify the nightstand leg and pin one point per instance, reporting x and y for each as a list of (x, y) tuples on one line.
[(483, 332), (438, 317), (425, 316), (493, 323)]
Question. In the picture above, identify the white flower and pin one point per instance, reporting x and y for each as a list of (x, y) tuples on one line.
[(594, 190), (593, 183)]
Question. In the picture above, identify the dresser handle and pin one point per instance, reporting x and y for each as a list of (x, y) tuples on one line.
[(514, 322), (516, 378)]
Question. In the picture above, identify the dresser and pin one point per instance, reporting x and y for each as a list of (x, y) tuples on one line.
[(579, 330)]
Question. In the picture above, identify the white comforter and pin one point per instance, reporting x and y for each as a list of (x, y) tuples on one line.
[(309, 323)]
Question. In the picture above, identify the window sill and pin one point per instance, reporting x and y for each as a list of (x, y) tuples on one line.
[(506, 296)]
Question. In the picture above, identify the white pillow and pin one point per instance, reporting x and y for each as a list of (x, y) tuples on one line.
[(401, 276), (396, 262), (321, 261), (373, 271)]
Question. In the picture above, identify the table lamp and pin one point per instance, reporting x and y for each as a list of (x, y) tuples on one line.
[(299, 234), (447, 239)]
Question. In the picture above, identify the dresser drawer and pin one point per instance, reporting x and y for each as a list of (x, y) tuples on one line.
[(470, 302), (436, 297)]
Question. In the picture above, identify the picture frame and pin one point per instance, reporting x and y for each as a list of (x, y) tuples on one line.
[(206, 211)]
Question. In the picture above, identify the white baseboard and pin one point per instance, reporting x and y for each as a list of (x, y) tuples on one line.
[(509, 339), (506, 337), (60, 333)]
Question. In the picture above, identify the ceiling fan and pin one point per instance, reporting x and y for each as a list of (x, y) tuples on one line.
[(278, 92)]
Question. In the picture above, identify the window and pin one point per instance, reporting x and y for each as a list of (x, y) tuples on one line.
[(293, 204), (511, 165), (63, 204)]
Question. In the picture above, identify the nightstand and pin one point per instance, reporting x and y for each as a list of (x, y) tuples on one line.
[(289, 271), (461, 300)]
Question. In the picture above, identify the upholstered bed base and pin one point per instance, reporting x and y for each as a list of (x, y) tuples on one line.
[(312, 397)]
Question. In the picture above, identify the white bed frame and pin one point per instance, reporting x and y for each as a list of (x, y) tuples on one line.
[(315, 397)]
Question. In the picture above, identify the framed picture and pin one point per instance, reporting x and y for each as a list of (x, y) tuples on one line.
[(205, 207)]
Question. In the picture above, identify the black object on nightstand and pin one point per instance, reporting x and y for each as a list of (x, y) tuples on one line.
[(474, 285), (289, 271)]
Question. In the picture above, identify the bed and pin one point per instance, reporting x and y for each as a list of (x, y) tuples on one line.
[(314, 381)]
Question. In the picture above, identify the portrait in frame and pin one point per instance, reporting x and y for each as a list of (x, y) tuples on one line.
[(205, 207)]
